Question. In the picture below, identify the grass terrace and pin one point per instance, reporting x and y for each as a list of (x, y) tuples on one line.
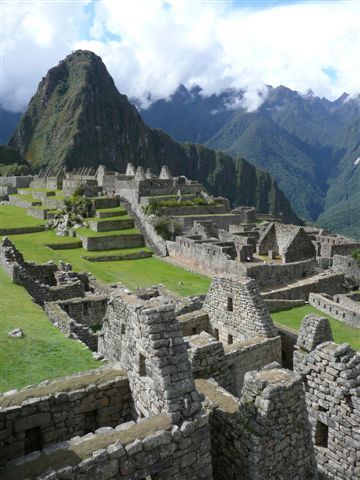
[(341, 332), (15, 217), (44, 347), (133, 273)]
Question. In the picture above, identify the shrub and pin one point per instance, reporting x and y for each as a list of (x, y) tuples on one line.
[(167, 227)]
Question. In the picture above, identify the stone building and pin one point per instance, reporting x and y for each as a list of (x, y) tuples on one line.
[(332, 384), (290, 242)]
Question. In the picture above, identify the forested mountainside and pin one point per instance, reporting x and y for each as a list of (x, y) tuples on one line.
[(78, 117), (308, 144)]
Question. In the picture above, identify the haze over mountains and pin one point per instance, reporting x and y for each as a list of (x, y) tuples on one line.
[(77, 117), (308, 144)]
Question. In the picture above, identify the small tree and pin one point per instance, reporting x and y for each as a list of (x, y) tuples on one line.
[(167, 227)]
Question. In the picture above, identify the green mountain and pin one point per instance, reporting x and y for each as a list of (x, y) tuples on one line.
[(308, 144), (12, 162), (78, 117)]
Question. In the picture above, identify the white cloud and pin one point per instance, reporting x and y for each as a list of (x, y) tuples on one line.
[(150, 46)]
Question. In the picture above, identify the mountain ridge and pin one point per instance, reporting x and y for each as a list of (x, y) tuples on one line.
[(308, 144), (77, 117)]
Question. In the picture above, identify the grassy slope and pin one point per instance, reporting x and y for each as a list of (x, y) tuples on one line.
[(44, 347), (341, 332)]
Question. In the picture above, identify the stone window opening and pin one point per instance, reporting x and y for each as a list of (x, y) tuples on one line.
[(321, 434), (216, 333), (230, 306), (90, 421), (86, 308), (123, 329), (230, 339), (33, 440), (194, 331), (142, 365)]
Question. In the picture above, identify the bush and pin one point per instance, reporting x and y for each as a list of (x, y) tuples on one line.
[(167, 227)]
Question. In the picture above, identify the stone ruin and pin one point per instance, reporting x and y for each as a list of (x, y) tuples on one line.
[(194, 390)]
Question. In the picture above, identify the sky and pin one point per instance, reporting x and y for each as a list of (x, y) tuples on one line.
[(151, 46)]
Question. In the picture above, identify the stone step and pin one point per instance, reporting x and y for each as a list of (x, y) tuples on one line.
[(111, 224)]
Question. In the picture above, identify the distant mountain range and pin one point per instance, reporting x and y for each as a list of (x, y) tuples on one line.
[(310, 145), (77, 117)]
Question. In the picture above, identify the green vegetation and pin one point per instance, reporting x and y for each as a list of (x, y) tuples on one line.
[(342, 333), (13, 217), (12, 163), (76, 209), (167, 227), (356, 255), (43, 346), (155, 204), (64, 132), (133, 273)]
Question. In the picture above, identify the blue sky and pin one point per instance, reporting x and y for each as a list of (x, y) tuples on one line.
[(151, 46)]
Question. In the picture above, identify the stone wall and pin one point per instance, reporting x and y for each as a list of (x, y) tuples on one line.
[(288, 341), (330, 250), (194, 210), (108, 225), (277, 305), (265, 274), (206, 256), (73, 329), (338, 310), (222, 221), (112, 242), (236, 310), (145, 337), (331, 376), (151, 448), (265, 435), (348, 266), (330, 283), (21, 202), (38, 416), (246, 355), (89, 310), (193, 323), (18, 182)]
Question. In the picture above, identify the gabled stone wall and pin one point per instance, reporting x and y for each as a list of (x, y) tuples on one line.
[(236, 308)]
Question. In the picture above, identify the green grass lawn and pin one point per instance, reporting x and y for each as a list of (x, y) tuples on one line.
[(133, 273), (342, 333), (13, 217), (44, 352)]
